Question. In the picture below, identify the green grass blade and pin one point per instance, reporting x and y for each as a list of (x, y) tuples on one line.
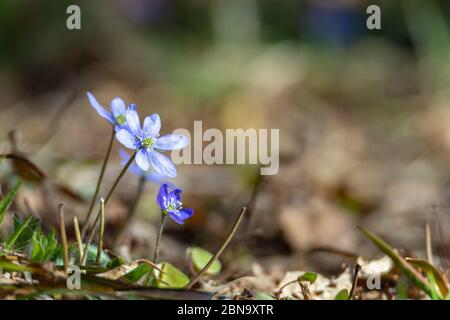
[(401, 263), (6, 201), (12, 267), (13, 238), (430, 269)]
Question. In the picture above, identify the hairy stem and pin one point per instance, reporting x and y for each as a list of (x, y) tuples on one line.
[(156, 252), (102, 231), (99, 182), (219, 252), (111, 191), (158, 237)]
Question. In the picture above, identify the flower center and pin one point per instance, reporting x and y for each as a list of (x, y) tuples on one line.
[(174, 205), (147, 142), (120, 119)]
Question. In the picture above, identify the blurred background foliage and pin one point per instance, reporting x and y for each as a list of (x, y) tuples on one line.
[(364, 115)]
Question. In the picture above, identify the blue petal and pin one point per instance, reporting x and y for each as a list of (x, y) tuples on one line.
[(126, 138), (152, 125), (180, 215), (175, 217), (134, 169), (155, 177), (124, 156), (186, 213), (100, 110), (117, 107), (142, 159), (161, 198), (162, 164), (133, 122), (117, 128), (175, 194), (132, 107), (171, 142)]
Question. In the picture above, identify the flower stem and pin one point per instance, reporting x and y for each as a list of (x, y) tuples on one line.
[(219, 252), (99, 182), (111, 191), (119, 177), (132, 210), (102, 231), (158, 237), (156, 253)]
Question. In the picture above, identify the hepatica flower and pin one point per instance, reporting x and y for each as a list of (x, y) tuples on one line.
[(117, 116), (148, 144), (150, 175), (170, 203)]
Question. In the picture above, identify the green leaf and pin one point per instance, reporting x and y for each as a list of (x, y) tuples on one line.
[(7, 201), (73, 253), (435, 295), (92, 256), (116, 262), (311, 277), (200, 257), (44, 248), (342, 295), (26, 234), (401, 263), (171, 277), (402, 288), (428, 268), (18, 232), (12, 267), (263, 296), (137, 273)]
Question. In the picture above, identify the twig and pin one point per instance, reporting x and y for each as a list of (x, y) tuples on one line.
[(288, 284), (219, 252), (76, 228), (356, 270), (62, 226), (228, 285), (151, 264), (428, 243), (102, 230), (305, 290), (99, 182)]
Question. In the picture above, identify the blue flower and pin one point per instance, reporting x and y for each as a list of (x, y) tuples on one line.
[(117, 116), (170, 203), (147, 142), (150, 175)]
